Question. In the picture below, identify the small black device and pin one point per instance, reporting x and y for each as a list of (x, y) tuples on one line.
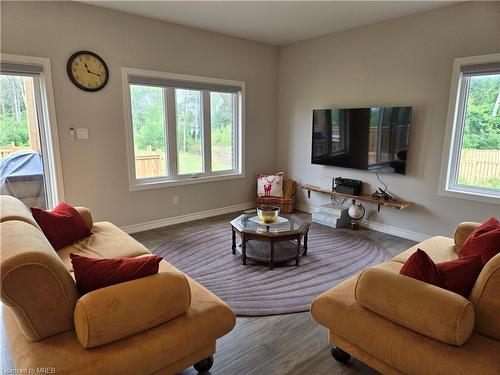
[(347, 186)]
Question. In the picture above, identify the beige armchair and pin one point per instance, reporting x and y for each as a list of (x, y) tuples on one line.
[(159, 324), (397, 324)]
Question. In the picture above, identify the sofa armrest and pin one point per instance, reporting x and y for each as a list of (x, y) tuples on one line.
[(421, 307), (118, 311), (462, 232), (86, 216)]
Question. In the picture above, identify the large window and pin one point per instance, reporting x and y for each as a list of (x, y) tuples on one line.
[(472, 160), (182, 129)]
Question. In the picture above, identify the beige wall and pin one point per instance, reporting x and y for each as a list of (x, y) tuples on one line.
[(95, 171), (406, 61)]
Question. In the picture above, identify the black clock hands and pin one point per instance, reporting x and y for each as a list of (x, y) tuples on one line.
[(89, 71)]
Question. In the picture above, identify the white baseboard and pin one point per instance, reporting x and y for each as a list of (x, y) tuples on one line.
[(134, 228), (384, 228)]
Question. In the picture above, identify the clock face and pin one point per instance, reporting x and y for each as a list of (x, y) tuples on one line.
[(87, 71)]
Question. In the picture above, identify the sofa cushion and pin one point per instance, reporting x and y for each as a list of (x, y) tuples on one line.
[(440, 249), (137, 305), (484, 240), (14, 209), (406, 350), (95, 273), (207, 319), (106, 241), (416, 305), (62, 226)]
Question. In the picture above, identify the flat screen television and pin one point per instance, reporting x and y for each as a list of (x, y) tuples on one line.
[(373, 139)]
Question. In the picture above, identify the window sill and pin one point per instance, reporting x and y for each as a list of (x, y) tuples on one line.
[(469, 195), (147, 185)]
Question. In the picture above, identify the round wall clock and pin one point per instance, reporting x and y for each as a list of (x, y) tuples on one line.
[(87, 71)]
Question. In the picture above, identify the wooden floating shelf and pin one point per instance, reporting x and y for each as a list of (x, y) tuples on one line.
[(362, 197)]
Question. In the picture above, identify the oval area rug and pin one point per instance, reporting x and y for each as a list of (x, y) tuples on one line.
[(255, 290)]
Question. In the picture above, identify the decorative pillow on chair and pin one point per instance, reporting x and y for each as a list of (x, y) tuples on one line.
[(457, 276), (460, 275), (270, 185), (483, 241), (62, 226), (420, 266), (93, 273)]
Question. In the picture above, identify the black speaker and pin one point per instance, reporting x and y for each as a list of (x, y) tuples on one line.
[(348, 186)]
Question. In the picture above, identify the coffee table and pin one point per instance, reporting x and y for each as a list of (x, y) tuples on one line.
[(270, 243)]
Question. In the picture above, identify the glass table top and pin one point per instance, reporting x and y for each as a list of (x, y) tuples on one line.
[(286, 223)]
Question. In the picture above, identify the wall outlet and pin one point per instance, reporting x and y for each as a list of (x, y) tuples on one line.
[(175, 200), (72, 134)]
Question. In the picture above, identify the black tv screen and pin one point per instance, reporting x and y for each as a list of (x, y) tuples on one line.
[(373, 139)]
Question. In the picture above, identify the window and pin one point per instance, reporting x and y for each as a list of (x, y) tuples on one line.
[(29, 153), (472, 160), (182, 129)]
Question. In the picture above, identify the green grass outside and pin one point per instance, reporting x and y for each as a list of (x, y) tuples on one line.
[(192, 163), (488, 183)]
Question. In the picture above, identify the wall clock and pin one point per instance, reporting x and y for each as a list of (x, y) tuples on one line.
[(87, 71)]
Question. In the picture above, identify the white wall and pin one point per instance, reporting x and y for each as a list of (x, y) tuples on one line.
[(406, 61), (95, 171)]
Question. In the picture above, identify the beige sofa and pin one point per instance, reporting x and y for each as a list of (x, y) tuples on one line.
[(397, 324), (159, 324)]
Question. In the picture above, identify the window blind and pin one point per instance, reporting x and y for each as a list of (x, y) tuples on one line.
[(20, 69), (181, 84), (481, 69)]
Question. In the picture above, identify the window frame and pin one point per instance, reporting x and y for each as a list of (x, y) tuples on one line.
[(454, 134), (49, 140), (173, 178)]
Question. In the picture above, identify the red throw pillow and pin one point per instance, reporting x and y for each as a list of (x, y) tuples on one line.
[(62, 226), (92, 273), (421, 267), (484, 241), (457, 276)]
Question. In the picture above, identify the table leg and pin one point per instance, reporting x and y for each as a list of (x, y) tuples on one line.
[(243, 251), (297, 256), (305, 242), (234, 241), (271, 259)]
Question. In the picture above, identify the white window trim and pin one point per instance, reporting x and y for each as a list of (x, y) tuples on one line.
[(52, 156), (162, 182), (453, 135)]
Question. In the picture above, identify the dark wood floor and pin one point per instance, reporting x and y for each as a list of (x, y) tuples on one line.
[(281, 344)]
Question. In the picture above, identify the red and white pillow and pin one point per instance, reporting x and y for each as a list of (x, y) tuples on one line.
[(270, 185)]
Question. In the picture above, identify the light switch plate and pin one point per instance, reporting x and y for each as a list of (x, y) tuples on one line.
[(82, 133)]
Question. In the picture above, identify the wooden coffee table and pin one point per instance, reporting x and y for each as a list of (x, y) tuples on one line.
[(273, 243)]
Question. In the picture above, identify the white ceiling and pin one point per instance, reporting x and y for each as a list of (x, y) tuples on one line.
[(273, 22)]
